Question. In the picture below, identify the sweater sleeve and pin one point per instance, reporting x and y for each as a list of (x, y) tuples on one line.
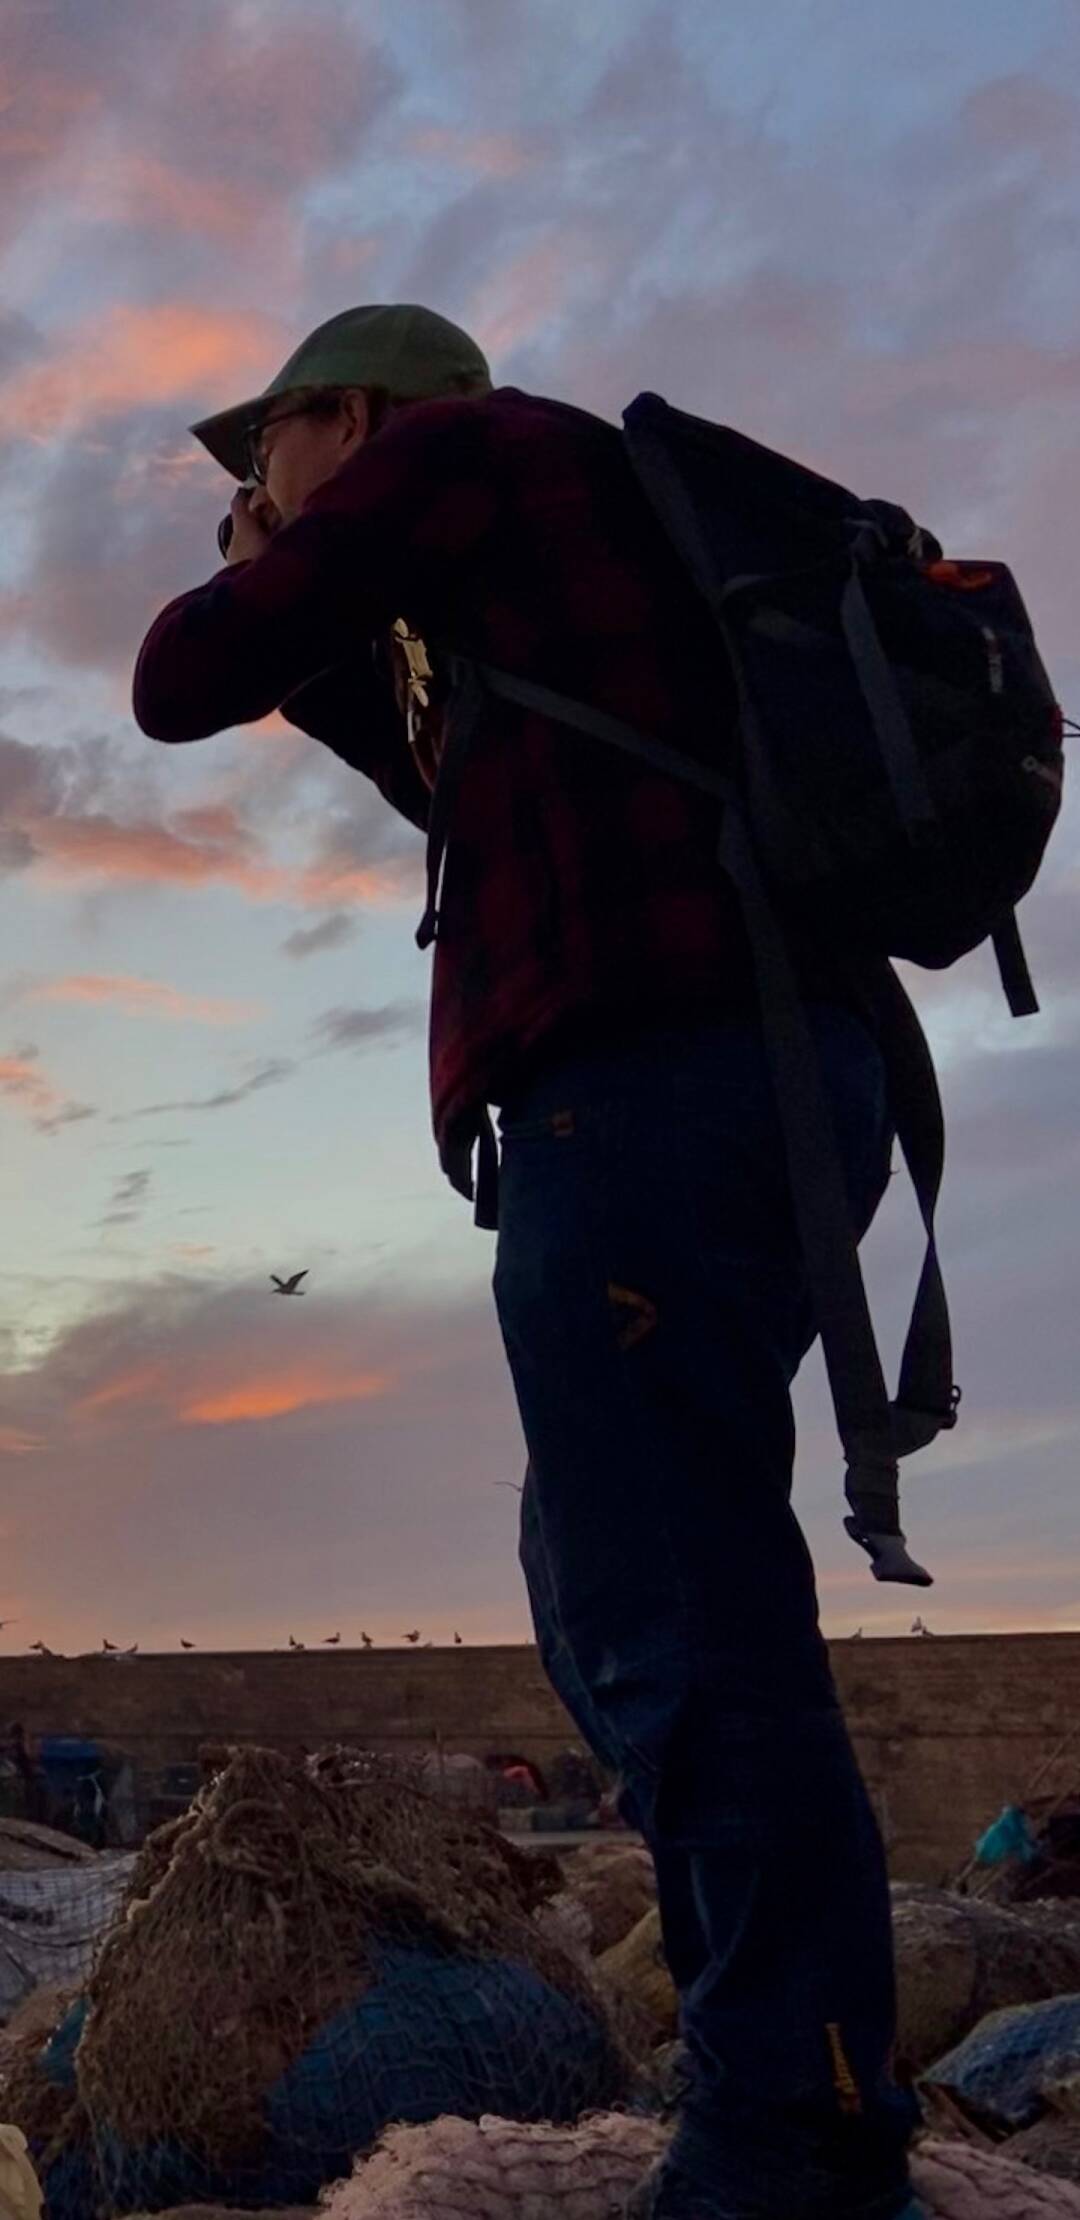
[(399, 526)]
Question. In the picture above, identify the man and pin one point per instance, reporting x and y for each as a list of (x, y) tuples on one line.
[(592, 980)]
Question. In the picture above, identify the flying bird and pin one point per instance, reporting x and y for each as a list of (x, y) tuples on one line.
[(186, 1645), (367, 1641), (290, 1287), (413, 1637), (7, 1622), (42, 1648), (330, 1639)]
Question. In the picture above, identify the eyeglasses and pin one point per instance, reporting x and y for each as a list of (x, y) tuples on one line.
[(319, 404)]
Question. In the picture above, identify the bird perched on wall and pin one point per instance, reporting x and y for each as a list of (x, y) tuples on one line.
[(186, 1645), (858, 1634), (294, 1644), (132, 1652), (413, 1637), (330, 1639), (367, 1641), (457, 1641), (42, 1649), (108, 1647), (290, 1287)]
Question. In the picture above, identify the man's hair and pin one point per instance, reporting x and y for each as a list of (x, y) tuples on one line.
[(325, 399)]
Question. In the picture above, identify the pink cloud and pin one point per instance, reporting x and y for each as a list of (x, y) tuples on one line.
[(24, 1083), (130, 358), (21, 1078), (266, 1393), (77, 849), (145, 998)]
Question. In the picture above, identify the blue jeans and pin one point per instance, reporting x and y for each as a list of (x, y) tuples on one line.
[(653, 1305)]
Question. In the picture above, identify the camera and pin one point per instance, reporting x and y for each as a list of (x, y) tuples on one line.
[(225, 528)]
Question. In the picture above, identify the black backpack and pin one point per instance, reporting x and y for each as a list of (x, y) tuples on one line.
[(898, 772)]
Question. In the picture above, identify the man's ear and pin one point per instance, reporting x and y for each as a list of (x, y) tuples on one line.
[(355, 418)]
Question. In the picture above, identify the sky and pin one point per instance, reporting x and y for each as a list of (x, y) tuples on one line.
[(851, 233)]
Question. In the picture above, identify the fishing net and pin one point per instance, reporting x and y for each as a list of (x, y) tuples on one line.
[(959, 1957), (52, 1918), (636, 1970), (314, 1949), (1014, 2064), (615, 1883), (495, 2170)]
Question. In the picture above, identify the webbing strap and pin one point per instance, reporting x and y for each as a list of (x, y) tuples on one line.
[(461, 722), (1012, 964), (603, 727), (896, 743)]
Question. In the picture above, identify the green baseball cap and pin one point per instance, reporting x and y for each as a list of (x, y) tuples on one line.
[(413, 352)]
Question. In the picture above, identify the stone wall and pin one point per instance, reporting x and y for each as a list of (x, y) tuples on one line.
[(948, 1729)]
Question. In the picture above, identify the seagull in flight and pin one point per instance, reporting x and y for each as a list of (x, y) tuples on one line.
[(291, 1286), (7, 1622), (413, 1637)]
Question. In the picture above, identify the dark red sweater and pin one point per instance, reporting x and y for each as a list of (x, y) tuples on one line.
[(581, 892)]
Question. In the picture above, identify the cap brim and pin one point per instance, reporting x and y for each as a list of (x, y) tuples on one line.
[(223, 435)]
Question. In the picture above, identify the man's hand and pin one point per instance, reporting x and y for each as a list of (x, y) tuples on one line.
[(254, 520)]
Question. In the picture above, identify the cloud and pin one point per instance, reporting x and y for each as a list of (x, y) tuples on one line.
[(364, 1028), (128, 1196), (130, 358), (268, 1074), (263, 1395), (145, 998), (311, 940), (51, 820), (23, 1082)]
